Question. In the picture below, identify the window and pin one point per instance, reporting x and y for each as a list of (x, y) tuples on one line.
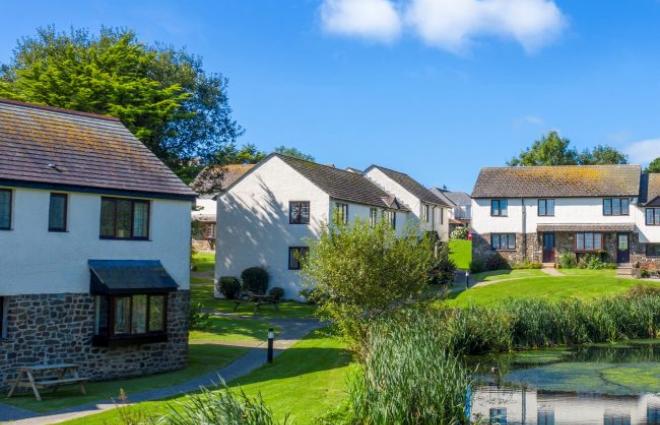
[(299, 212), (3, 318), (124, 219), (426, 213), (616, 206), (497, 415), (546, 207), (652, 250), (297, 255), (130, 317), (390, 217), (5, 209), (545, 417), (503, 241), (587, 242), (57, 212), (499, 207), (653, 216), (341, 211), (373, 216)]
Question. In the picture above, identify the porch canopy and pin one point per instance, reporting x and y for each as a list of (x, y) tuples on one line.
[(585, 227), (124, 277)]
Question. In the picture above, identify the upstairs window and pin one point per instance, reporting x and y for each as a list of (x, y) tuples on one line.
[(546, 207), (588, 242), (297, 255), (426, 213), (124, 219), (373, 217), (616, 206), (341, 213), (390, 217), (499, 207), (299, 212), (653, 216), (5, 209), (503, 241), (57, 212)]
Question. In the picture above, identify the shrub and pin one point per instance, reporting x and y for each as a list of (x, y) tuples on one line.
[(592, 262), (197, 317), (444, 269), (460, 233), (221, 407), (255, 279), (477, 265), (276, 293), (527, 265), (361, 273), (497, 262), (408, 377), (643, 273), (567, 260), (230, 287)]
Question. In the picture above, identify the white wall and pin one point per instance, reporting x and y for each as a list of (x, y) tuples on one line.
[(205, 207), (647, 234), (567, 210), (36, 261), (253, 223)]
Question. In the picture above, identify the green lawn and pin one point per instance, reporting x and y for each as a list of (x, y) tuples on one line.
[(305, 381), (583, 284), (461, 252), (203, 261), (203, 358), (232, 330), (507, 274)]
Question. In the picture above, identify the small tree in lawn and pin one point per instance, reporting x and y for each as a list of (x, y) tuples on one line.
[(360, 273)]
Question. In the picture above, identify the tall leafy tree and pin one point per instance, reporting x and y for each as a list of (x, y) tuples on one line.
[(161, 94), (552, 149), (232, 154), (290, 151), (654, 166)]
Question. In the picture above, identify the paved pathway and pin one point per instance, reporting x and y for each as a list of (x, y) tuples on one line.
[(552, 271), (292, 331)]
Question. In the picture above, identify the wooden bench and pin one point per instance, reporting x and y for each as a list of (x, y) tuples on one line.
[(47, 376), (257, 300)]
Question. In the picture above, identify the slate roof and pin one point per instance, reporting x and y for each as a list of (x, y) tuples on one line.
[(52, 147), (650, 189), (561, 181), (119, 277), (411, 185), (454, 198), (218, 177), (343, 185)]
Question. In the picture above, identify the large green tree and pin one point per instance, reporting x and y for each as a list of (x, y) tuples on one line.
[(654, 166), (294, 152), (163, 95), (552, 149)]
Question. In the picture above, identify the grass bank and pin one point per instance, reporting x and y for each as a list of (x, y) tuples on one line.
[(461, 252)]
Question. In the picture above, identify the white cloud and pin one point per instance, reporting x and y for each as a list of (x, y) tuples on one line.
[(644, 151), (455, 24), (452, 25), (371, 19)]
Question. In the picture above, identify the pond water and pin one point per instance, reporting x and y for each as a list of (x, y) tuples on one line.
[(605, 384)]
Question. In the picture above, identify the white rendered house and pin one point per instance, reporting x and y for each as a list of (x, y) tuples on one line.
[(94, 247), (536, 213), (269, 215)]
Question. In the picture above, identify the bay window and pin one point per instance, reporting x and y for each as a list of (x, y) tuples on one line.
[(130, 318)]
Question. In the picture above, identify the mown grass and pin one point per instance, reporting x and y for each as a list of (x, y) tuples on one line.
[(203, 262), (305, 381), (230, 330), (202, 359), (461, 252)]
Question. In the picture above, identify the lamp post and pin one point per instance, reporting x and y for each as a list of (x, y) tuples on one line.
[(467, 279), (271, 338)]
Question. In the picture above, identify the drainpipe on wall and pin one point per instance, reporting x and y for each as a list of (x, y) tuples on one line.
[(524, 228)]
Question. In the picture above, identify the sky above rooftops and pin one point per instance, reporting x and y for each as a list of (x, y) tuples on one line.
[(415, 85)]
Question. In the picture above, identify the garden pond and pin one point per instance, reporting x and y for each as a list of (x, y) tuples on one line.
[(598, 384)]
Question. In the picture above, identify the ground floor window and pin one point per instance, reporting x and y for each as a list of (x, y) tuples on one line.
[(296, 256), (3, 317), (503, 241), (653, 250), (588, 242), (131, 315), (389, 216)]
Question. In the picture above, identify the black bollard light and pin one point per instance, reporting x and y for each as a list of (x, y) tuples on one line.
[(467, 279), (271, 338)]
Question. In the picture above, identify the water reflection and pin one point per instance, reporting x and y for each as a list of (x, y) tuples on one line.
[(493, 405)]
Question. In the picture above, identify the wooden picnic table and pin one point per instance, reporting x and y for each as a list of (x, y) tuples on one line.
[(46, 376), (257, 299)]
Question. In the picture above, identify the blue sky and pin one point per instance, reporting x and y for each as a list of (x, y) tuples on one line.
[(434, 88)]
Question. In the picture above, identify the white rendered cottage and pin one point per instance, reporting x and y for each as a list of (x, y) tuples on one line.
[(536, 213), (267, 217), (94, 247)]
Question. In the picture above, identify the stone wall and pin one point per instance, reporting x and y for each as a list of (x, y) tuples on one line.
[(58, 328), (482, 250)]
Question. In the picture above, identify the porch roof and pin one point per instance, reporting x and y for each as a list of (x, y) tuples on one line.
[(585, 227), (123, 277)]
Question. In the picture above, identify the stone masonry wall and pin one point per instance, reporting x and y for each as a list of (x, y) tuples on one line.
[(482, 250), (58, 328)]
